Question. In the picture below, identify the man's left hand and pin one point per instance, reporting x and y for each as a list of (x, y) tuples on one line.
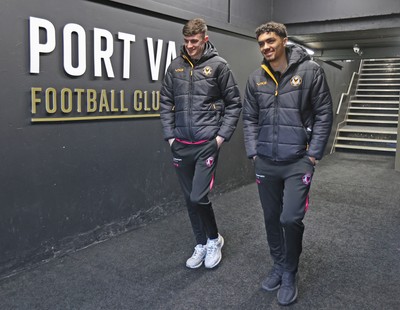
[(220, 140), (313, 160)]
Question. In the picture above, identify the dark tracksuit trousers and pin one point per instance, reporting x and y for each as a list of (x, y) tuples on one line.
[(195, 165), (283, 190)]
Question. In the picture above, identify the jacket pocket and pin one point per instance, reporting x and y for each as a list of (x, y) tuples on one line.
[(307, 132), (218, 107)]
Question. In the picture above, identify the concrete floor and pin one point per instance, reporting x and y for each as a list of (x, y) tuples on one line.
[(350, 260)]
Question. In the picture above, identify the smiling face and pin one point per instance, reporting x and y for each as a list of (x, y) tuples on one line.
[(272, 47), (194, 45)]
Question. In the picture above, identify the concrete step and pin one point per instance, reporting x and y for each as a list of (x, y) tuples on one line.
[(369, 129), (385, 69), (379, 74), (366, 140), (381, 79), (364, 147), (377, 90), (373, 65), (373, 114), (373, 108), (375, 101), (367, 121), (382, 60), (388, 85), (377, 96)]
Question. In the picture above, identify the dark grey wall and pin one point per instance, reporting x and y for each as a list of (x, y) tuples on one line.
[(234, 15), (70, 184), (339, 79), (305, 11)]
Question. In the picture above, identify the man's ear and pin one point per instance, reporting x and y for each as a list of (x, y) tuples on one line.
[(205, 38), (285, 41)]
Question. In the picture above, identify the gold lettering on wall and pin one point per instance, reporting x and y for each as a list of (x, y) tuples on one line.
[(66, 100), (79, 104)]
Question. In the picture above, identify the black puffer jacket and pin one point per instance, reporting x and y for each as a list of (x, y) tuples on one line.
[(290, 117), (199, 100)]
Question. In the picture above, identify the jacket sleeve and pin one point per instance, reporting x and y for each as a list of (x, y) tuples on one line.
[(322, 111), (250, 121), (167, 108), (233, 106)]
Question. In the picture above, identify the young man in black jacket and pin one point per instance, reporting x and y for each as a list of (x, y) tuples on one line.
[(287, 119), (200, 107)]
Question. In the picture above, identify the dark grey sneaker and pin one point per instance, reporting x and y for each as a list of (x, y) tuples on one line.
[(287, 293), (273, 280)]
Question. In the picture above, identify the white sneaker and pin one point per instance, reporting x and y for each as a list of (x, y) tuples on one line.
[(214, 254), (197, 258)]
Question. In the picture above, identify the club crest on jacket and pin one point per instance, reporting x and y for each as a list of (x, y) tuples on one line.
[(296, 81), (207, 70)]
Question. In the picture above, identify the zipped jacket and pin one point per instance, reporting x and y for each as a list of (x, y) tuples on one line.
[(287, 117), (199, 100)]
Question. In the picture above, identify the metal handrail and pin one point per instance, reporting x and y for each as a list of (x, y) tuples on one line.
[(397, 156), (350, 86), (346, 93), (342, 98)]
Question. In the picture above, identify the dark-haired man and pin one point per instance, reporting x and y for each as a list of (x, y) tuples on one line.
[(287, 119), (200, 107)]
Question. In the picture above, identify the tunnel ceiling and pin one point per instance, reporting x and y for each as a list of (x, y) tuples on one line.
[(377, 37)]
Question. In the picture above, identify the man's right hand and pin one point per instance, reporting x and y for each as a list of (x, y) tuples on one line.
[(170, 141)]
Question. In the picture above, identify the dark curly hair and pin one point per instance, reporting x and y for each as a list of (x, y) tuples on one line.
[(279, 29)]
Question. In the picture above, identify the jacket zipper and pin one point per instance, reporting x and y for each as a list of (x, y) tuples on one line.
[(275, 138), (190, 96)]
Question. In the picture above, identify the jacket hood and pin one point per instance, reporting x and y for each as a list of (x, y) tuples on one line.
[(209, 51), (296, 54)]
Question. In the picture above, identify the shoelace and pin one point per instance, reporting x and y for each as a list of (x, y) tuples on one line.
[(197, 253), (212, 248)]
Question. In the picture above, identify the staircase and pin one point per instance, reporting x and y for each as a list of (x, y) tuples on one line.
[(372, 116)]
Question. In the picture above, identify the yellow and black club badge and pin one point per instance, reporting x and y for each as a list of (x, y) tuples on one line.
[(296, 81), (207, 70)]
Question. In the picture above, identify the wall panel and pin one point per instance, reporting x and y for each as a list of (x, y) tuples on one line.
[(237, 16)]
